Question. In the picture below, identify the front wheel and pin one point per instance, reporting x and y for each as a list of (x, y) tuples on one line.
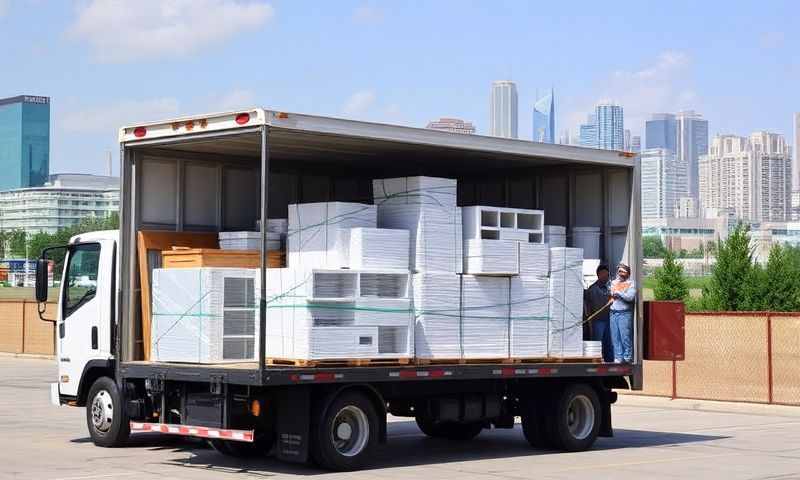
[(106, 416)]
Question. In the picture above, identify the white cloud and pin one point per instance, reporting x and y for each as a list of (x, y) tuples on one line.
[(359, 103), (109, 118), (121, 30), (368, 15), (664, 85)]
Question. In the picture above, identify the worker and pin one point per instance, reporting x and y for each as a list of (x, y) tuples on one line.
[(623, 293), (595, 300)]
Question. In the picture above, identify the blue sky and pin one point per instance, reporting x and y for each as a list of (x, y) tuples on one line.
[(107, 63)]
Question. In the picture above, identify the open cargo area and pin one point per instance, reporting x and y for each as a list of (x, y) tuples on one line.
[(384, 245)]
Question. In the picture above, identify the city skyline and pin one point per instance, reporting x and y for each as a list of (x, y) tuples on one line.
[(320, 59)]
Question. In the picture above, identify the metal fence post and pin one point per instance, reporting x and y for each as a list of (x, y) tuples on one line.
[(769, 358)]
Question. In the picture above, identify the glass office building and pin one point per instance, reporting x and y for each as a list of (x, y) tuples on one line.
[(610, 129), (24, 141), (544, 119), (661, 132)]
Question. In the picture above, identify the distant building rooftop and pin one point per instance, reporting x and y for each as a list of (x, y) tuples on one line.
[(82, 180)]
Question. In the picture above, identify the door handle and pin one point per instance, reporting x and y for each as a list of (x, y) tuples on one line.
[(94, 338)]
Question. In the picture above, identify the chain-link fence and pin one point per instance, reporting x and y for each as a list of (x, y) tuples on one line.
[(733, 356)]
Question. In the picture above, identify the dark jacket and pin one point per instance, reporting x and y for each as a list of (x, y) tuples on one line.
[(595, 297)]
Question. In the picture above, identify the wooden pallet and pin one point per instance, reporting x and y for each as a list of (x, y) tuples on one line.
[(339, 362), (502, 361)]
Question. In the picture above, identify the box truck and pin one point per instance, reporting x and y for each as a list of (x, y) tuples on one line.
[(236, 170)]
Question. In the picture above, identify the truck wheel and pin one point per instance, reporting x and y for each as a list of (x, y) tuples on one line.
[(106, 416), (574, 420), (533, 424), (260, 447), (448, 430), (346, 434)]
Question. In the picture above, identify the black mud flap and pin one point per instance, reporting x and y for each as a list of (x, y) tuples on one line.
[(293, 409)]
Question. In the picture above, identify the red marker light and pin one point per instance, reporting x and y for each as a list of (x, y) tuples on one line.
[(139, 132), (242, 118)]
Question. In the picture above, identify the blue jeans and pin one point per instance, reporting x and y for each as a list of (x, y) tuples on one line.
[(601, 332), (621, 327)]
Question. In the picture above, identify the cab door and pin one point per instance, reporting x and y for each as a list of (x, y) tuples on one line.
[(85, 302)]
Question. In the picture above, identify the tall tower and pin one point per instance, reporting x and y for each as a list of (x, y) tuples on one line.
[(503, 115), (24, 141), (610, 134), (796, 154), (544, 119), (691, 142)]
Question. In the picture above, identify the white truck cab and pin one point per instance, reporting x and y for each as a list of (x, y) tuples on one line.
[(85, 315)]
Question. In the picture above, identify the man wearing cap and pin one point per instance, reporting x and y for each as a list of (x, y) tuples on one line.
[(624, 293), (595, 300)]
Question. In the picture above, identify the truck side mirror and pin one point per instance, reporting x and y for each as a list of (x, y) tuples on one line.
[(42, 266)]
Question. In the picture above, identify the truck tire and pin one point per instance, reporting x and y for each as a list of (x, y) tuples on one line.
[(448, 430), (260, 447), (106, 416), (534, 427), (346, 434), (573, 423)]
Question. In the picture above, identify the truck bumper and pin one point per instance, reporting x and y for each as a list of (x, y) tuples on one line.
[(54, 396)]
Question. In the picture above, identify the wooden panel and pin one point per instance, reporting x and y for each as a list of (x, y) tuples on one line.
[(11, 326), (148, 241), (203, 257)]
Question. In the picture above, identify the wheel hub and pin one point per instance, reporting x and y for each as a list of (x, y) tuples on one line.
[(102, 411), (350, 431), (580, 417)]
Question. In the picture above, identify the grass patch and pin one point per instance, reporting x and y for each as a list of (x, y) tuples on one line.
[(26, 293), (691, 282)]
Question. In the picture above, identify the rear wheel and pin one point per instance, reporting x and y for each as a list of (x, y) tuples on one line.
[(534, 426), (106, 417), (346, 434), (574, 421)]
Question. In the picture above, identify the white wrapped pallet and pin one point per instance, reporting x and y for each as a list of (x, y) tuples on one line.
[(248, 241), (555, 236), (534, 259), (313, 240), (435, 191), (565, 329), (437, 313), (205, 315), (377, 248), (435, 240), (529, 316), (485, 316), (491, 257)]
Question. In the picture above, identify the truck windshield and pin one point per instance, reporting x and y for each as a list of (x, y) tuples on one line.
[(81, 281)]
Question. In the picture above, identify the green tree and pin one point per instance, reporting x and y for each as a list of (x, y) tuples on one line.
[(780, 287), (670, 282), (653, 247), (732, 277)]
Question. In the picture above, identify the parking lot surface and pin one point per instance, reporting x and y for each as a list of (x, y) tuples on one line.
[(655, 438)]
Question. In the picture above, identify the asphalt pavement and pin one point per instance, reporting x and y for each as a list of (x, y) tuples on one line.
[(655, 438)]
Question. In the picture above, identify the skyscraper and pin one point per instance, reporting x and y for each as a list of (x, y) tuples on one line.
[(751, 176), (691, 142), (564, 139), (453, 125), (662, 181), (661, 132), (636, 144), (544, 119), (796, 154), (503, 116), (588, 132), (609, 126), (24, 141), (626, 141)]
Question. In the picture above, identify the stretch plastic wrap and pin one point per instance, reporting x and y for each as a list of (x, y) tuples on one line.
[(534, 259), (438, 317), (376, 248), (555, 236), (491, 257), (205, 315), (314, 239), (565, 330), (485, 316), (426, 207), (248, 241), (529, 316)]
